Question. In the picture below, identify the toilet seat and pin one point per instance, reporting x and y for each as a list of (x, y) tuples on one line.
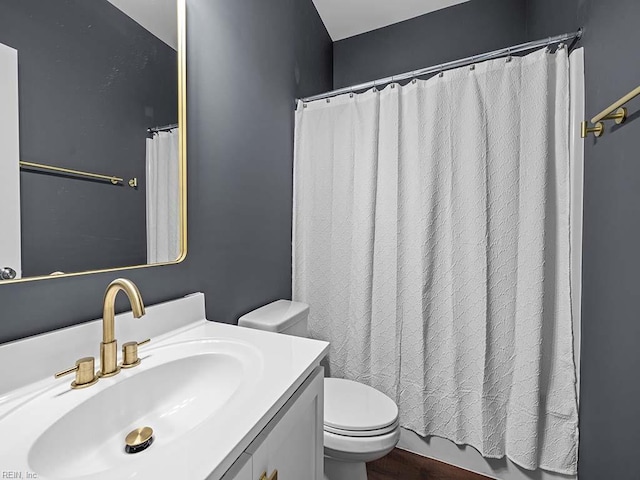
[(352, 409), (363, 433)]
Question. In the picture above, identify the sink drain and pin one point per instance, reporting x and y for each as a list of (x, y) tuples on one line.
[(138, 440)]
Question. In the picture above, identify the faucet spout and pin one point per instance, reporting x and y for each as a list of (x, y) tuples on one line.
[(109, 307), (109, 345)]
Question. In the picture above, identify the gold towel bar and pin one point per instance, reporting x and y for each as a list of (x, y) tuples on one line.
[(114, 180), (615, 112), (608, 111)]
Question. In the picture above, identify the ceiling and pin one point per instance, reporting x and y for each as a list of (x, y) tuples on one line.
[(343, 18), (157, 16), (346, 18)]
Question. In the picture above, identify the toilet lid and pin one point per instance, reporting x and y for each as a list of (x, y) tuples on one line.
[(353, 406)]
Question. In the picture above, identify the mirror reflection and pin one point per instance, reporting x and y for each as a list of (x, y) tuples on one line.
[(89, 149)]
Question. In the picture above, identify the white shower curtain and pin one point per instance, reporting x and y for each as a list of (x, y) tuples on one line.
[(163, 197), (431, 239)]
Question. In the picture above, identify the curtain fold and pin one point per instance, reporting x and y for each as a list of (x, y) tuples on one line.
[(431, 239), (163, 197)]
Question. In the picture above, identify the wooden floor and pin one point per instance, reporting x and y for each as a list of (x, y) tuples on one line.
[(402, 465)]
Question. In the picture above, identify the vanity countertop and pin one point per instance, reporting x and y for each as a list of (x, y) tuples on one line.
[(273, 365)]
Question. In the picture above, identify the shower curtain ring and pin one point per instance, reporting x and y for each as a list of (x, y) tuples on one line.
[(509, 57), (393, 85), (441, 74)]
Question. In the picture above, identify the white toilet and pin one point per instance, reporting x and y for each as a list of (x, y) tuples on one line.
[(360, 423)]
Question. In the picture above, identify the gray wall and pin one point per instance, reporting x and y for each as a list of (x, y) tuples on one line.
[(609, 411), (91, 81), (456, 32), (247, 61)]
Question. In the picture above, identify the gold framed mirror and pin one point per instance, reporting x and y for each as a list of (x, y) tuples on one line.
[(93, 153)]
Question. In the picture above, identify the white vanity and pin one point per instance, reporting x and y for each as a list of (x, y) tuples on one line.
[(223, 402)]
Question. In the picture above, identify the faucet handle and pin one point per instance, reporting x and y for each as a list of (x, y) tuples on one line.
[(130, 357), (85, 371), (274, 476)]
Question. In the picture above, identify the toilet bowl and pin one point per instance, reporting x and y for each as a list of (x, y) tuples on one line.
[(360, 423)]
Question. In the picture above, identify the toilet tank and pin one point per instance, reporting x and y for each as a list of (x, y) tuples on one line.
[(281, 316)]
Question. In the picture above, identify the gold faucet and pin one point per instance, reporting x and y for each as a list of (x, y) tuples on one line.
[(109, 345), (84, 368)]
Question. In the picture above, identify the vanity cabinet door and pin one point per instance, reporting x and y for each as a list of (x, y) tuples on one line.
[(292, 443), (240, 470)]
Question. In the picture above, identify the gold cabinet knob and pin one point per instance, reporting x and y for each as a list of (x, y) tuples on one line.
[(274, 476), (130, 357), (85, 371)]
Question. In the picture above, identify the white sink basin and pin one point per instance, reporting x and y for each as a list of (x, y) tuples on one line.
[(206, 389), (173, 391)]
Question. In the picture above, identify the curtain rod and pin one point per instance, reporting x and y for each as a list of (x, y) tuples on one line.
[(68, 171), (523, 47), (164, 128)]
